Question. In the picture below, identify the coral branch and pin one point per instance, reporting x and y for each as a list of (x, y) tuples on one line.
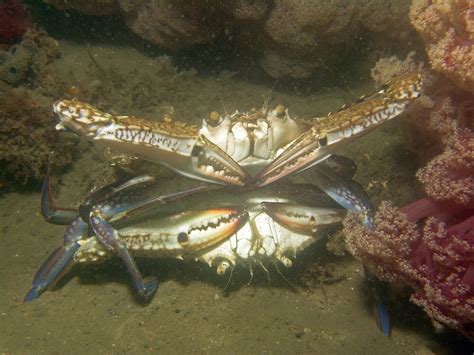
[(435, 258), (450, 176), (429, 244), (447, 28)]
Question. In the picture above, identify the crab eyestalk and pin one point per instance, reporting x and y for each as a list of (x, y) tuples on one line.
[(328, 133), (177, 146)]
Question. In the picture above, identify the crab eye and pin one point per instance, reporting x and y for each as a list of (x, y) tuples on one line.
[(214, 119), (183, 238), (197, 151), (221, 265), (323, 141), (279, 111)]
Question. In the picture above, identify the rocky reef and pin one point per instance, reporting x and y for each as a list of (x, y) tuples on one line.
[(14, 21), (26, 64), (289, 39), (29, 142)]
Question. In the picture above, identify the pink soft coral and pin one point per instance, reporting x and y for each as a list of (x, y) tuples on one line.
[(447, 28), (429, 246), (450, 176)]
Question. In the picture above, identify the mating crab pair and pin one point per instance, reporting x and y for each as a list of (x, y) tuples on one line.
[(249, 222)]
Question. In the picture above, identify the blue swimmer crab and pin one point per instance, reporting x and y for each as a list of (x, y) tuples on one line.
[(246, 151)]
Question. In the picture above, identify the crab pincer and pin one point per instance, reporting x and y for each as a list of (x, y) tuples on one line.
[(177, 146), (330, 132)]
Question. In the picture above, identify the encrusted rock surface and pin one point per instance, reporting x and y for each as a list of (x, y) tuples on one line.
[(291, 38)]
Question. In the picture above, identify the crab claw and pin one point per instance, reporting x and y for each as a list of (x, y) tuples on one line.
[(197, 230), (207, 162), (188, 232), (328, 133), (302, 219), (175, 145)]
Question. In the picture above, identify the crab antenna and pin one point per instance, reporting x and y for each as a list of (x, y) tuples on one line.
[(283, 276), (223, 106), (251, 274), (269, 279), (266, 103), (228, 280)]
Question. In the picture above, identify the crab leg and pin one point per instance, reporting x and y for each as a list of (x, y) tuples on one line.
[(301, 218), (348, 194), (351, 196), (188, 233), (115, 201), (328, 133), (65, 216), (120, 200), (177, 146), (110, 238), (50, 212), (59, 262)]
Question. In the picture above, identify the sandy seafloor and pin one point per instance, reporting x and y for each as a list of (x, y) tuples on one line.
[(325, 310)]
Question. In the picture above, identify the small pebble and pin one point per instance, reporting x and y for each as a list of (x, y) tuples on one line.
[(299, 334)]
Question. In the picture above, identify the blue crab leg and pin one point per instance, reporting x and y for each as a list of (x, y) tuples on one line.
[(112, 200), (109, 190), (351, 196), (59, 262), (380, 310), (328, 133), (348, 194), (117, 198), (120, 200), (117, 201), (110, 238), (50, 212)]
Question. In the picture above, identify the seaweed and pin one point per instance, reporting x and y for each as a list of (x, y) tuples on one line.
[(27, 63), (29, 144)]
